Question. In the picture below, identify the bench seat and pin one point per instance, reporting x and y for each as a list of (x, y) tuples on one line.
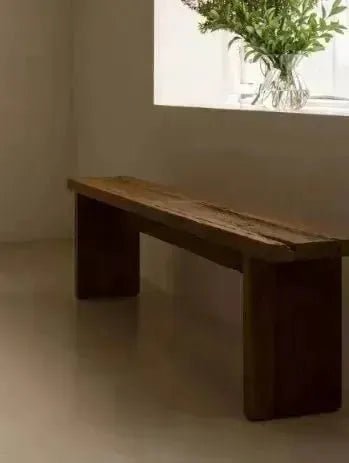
[(292, 282), (244, 233)]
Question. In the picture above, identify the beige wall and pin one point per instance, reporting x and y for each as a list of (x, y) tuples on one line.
[(35, 126), (289, 167)]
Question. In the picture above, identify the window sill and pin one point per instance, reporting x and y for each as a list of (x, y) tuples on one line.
[(313, 107), (320, 106)]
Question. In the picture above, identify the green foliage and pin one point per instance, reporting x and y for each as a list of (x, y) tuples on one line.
[(273, 27)]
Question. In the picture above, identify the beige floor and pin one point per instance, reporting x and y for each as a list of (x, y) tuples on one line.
[(129, 381)]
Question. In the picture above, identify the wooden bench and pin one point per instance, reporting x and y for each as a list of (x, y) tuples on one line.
[(292, 283)]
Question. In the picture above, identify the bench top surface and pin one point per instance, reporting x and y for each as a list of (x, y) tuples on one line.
[(254, 236)]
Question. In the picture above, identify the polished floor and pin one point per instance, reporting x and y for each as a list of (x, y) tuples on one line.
[(143, 381)]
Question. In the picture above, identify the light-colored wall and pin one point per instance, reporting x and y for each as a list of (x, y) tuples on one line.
[(35, 118), (290, 167)]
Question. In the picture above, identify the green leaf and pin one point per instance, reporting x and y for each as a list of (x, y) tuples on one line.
[(214, 14), (259, 31), (336, 3), (327, 36), (270, 13), (317, 46), (324, 13), (228, 11), (337, 10)]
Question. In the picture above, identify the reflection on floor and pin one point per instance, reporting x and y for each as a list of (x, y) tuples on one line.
[(129, 381)]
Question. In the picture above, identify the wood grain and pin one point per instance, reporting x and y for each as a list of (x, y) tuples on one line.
[(292, 338), (107, 251), (246, 234)]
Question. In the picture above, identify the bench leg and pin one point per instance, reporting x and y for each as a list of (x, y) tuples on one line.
[(107, 251), (292, 338)]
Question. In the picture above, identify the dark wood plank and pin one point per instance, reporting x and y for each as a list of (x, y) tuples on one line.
[(107, 251), (221, 255), (292, 338), (248, 235)]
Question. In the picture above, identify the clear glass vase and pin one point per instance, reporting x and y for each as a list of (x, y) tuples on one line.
[(283, 88)]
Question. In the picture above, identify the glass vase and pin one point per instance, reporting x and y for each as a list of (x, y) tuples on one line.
[(283, 88)]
